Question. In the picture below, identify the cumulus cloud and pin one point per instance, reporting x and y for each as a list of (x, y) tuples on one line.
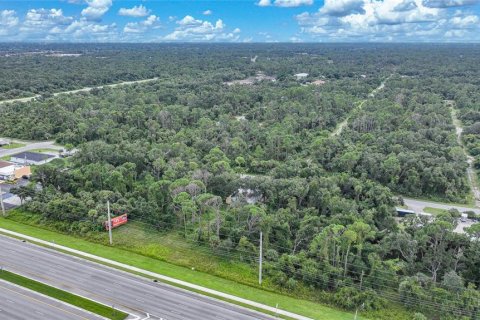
[(285, 3), (191, 29), (465, 22), (449, 3), (207, 12), (8, 21), (96, 9), (42, 24), (388, 20), (189, 20), (8, 18), (138, 27), (37, 20), (342, 7), (264, 3), (85, 30), (136, 11)]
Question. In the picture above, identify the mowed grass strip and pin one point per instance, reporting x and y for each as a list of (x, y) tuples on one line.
[(13, 146), (292, 304), (64, 296), (434, 211)]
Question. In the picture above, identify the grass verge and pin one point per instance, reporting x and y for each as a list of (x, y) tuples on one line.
[(434, 211), (46, 150), (299, 306), (64, 296), (13, 146)]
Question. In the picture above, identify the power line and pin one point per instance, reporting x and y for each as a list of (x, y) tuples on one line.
[(302, 272)]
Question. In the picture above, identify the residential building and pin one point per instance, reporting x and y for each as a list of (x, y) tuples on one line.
[(7, 170), (31, 158), (4, 142)]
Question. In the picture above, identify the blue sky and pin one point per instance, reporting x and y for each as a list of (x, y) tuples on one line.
[(240, 21)]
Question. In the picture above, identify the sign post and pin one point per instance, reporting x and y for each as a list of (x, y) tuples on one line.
[(260, 259), (109, 223), (1, 201)]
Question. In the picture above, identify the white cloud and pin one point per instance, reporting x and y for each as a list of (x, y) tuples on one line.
[(138, 27), (464, 22), (342, 7), (191, 29), (84, 29), (449, 3), (237, 30), (285, 3), (8, 21), (96, 9), (388, 20), (37, 20), (188, 20), (136, 11), (455, 33), (207, 12), (264, 3), (292, 3)]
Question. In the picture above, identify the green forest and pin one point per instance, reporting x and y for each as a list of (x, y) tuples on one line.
[(317, 163)]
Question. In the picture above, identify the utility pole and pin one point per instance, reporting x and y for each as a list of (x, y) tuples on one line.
[(361, 280), (1, 201), (109, 223), (260, 259), (356, 310)]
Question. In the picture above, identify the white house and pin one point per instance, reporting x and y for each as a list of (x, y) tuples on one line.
[(7, 170), (301, 75), (4, 142)]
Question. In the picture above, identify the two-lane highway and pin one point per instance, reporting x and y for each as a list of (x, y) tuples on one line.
[(30, 146), (136, 295)]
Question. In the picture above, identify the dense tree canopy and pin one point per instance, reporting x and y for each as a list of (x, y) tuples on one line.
[(221, 162)]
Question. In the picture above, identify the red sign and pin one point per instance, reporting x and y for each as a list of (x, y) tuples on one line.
[(117, 221)]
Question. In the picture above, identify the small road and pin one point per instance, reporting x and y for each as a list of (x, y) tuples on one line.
[(338, 130), (29, 146), (420, 205), (133, 294), (471, 174), (17, 303), (86, 89)]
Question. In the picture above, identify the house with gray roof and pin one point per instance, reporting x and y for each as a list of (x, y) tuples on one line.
[(31, 158)]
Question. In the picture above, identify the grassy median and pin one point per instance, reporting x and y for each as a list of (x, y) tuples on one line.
[(64, 296)]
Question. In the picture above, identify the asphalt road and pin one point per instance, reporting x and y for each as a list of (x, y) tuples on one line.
[(29, 146), (86, 89), (136, 295), (419, 205), (18, 303)]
